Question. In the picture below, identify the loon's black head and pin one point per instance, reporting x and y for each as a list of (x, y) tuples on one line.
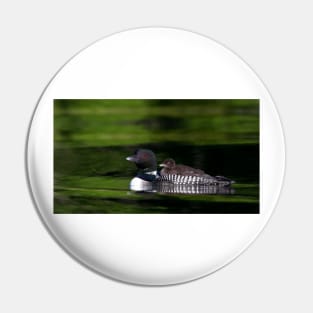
[(144, 159), (168, 163)]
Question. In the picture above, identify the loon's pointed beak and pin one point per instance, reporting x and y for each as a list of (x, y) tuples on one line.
[(131, 158), (162, 165)]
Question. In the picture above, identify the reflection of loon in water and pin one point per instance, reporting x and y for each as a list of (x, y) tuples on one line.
[(178, 179)]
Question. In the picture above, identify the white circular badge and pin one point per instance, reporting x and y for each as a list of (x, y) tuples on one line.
[(155, 156)]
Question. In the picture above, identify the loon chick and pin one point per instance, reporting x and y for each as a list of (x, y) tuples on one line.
[(146, 164), (183, 174)]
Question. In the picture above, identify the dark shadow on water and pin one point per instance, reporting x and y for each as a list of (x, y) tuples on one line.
[(156, 204)]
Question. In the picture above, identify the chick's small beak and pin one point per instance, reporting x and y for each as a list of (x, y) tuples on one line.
[(162, 165)]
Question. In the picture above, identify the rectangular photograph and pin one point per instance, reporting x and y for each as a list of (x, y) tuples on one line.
[(149, 156)]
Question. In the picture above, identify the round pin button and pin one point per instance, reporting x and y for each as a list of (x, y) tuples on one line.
[(155, 156)]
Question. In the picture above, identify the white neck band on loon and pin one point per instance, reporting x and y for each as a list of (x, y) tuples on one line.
[(151, 173)]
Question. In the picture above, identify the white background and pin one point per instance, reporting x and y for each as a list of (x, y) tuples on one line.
[(275, 273)]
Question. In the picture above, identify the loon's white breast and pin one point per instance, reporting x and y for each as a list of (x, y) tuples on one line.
[(140, 184)]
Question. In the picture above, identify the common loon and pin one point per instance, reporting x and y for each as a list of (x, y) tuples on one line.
[(147, 176), (146, 163)]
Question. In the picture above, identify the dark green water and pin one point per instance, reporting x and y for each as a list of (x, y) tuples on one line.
[(92, 138)]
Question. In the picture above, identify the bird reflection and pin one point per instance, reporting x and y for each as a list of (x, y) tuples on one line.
[(170, 188)]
